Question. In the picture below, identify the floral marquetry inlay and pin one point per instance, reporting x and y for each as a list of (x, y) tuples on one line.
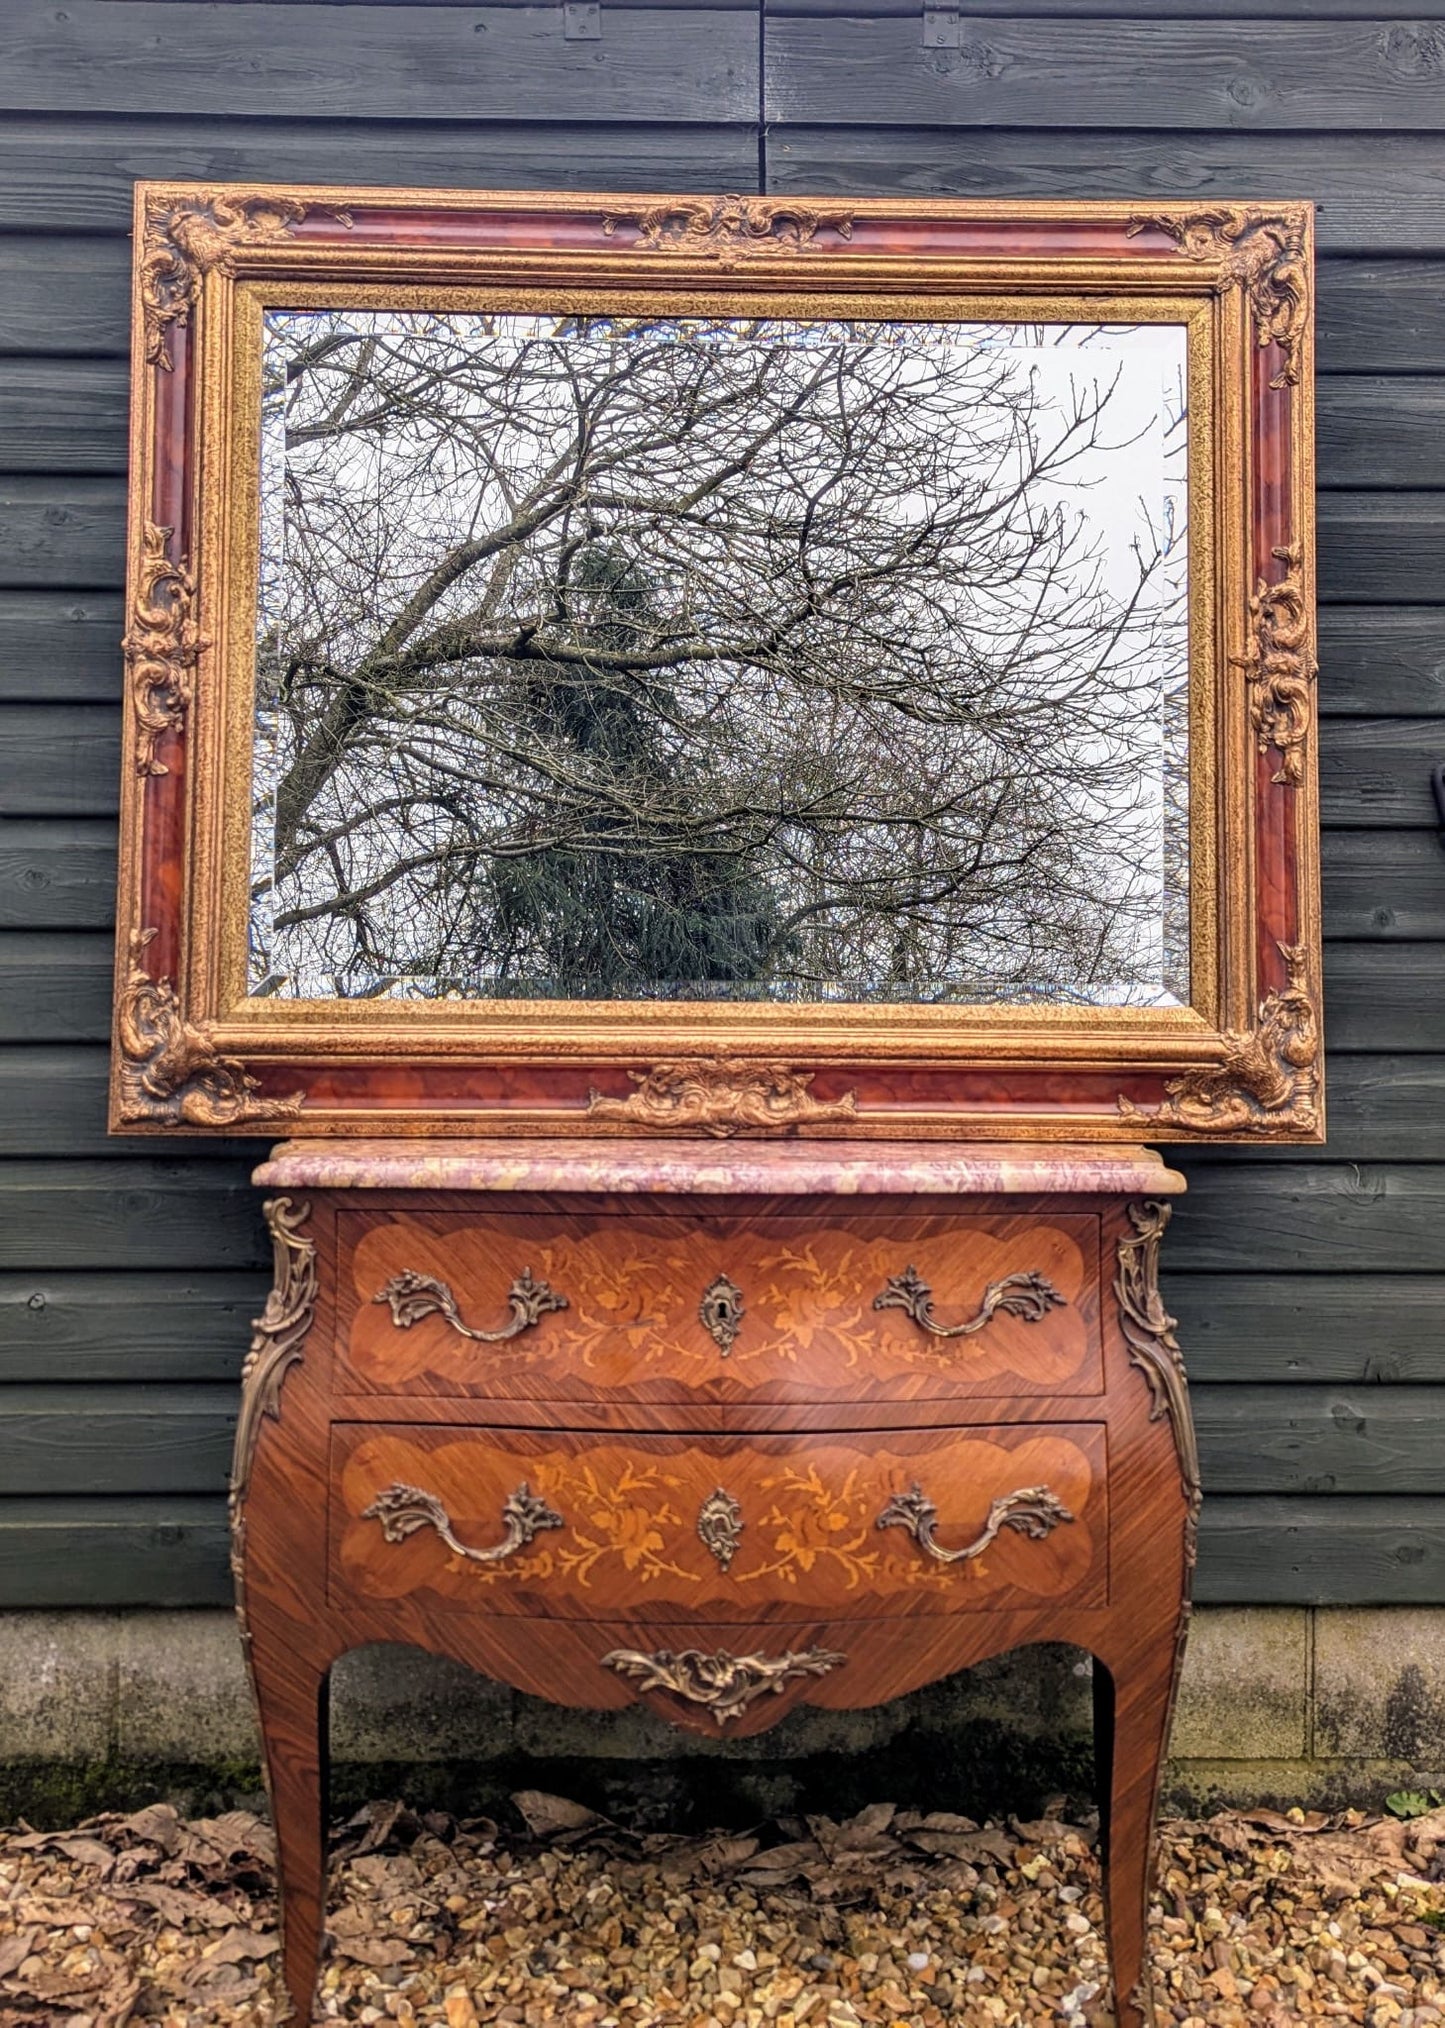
[(646, 1520)]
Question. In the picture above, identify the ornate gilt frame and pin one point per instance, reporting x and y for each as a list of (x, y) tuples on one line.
[(192, 1054)]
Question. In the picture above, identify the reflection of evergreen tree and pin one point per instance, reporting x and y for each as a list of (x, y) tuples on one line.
[(640, 910)]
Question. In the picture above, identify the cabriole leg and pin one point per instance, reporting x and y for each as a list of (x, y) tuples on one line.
[(1131, 1733), (292, 1695)]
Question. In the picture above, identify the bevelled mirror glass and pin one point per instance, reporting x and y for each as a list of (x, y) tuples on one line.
[(614, 664), (721, 659)]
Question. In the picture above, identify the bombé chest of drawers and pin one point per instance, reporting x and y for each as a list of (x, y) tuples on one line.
[(720, 1426)]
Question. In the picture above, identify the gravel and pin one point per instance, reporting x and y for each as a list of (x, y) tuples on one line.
[(893, 1918)]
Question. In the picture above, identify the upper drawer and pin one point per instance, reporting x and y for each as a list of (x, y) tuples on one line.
[(663, 1308), (596, 1527)]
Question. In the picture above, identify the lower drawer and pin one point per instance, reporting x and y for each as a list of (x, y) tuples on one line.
[(580, 1526)]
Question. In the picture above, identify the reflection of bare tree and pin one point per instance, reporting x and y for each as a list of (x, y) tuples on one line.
[(644, 658)]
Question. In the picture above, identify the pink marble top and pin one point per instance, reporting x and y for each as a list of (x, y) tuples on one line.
[(803, 1168)]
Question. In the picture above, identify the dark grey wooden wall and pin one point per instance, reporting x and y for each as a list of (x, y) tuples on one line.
[(1310, 1285)]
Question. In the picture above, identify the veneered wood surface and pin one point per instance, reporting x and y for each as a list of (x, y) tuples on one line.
[(810, 1542), (627, 1569), (632, 1329)]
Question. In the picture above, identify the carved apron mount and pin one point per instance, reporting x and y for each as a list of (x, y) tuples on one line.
[(720, 1095)]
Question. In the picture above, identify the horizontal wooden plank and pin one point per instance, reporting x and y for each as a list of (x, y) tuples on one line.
[(113, 1553), (62, 532), (176, 1438), (63, 415), (1376, 547), (1252, 1211), (61, 646), (77, 174), (60, 296), (1369, 200), (53, 1102), (423, 63), (116, 1439), (1372, 430), (59, 760), (1379, 1108), (1318, 1550), (1081, 10), (1373, 771), (63, 296), (181, 1213), (1375, 1330), (57, 873), (55, 986), (1383, 884), (1378, 996), (1374, 661), (1305, 1550), (1380, 316), (1107, 73), (126, 1326), (69, 533), (70, 415), (1303, 1439)]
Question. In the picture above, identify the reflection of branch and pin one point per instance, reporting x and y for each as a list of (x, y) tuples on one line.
[(880, 694)]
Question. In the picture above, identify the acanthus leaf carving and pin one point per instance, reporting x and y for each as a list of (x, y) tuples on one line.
[(720, 1095), (1280, 667), (188, 236), (169, 1072), (1261, 251), (725, 1684), (731, 228), (1269, 1078), (162, 646), (1149, 1333)]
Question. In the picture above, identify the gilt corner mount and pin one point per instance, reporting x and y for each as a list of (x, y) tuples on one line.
[(635, 810)]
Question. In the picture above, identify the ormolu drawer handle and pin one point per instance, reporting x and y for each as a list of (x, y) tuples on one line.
[(413, 1296), (1034, 1511), (726, 1684), (401, 1510), (1030, 1296)]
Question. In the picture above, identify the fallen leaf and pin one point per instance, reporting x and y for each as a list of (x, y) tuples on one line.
[(545, 1816), (237, 1945)]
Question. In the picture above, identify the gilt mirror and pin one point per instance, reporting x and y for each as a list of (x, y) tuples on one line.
[(634, 665)]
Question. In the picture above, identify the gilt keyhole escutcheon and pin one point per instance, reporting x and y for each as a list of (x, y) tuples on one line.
[(721, 1310)]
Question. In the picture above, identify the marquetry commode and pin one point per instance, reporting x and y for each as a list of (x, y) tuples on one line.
[(721, 1426)]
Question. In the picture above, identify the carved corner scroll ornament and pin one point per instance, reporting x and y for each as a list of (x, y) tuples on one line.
[(725, 1684), (720, 1095), (186, 237), (1035, 1511), (413, 1295), (731, 228), (720, 1526), (1149, 1333), (1260, 251), (1029, 1295), (162, 647), (1269, 1077), (170, 1074), (1281, 668), (278, 1333)]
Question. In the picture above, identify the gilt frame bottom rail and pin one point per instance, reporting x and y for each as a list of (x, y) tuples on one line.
[(737, 1679)]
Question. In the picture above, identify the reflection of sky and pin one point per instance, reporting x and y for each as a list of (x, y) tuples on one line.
[(1127, 491)]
